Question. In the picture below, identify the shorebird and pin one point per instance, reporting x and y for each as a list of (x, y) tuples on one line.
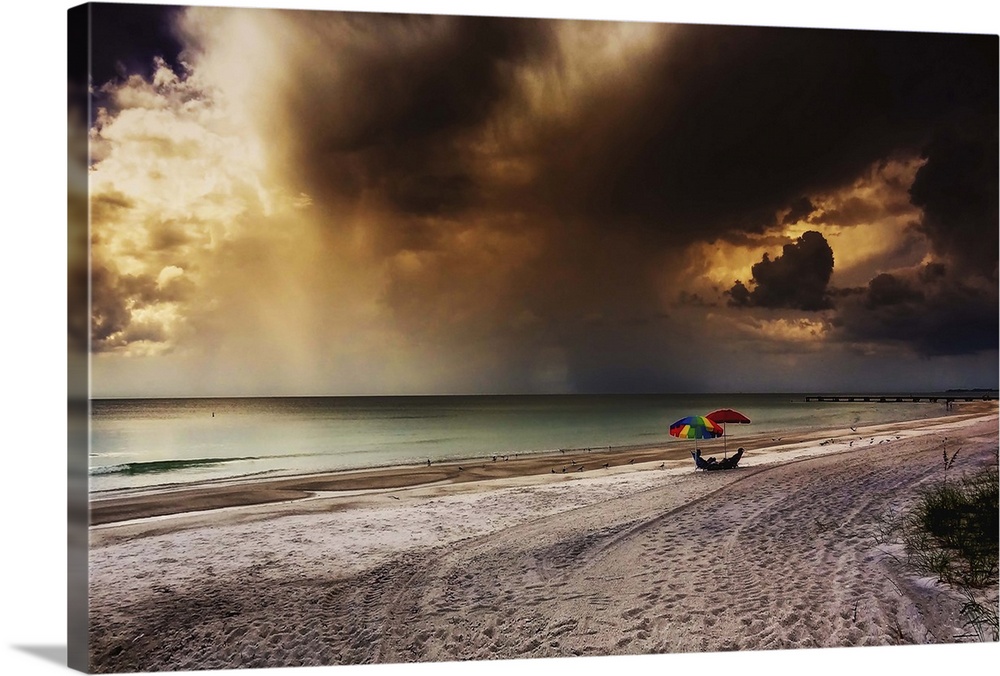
[(853, 428), (631, 461), (606, 465)]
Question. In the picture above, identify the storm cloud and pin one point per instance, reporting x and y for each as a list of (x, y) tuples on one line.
[(800, 210), (531, 198), (796, 279), (731, 124), (948, 307), (698, 130), (957, 189), (932, 312)]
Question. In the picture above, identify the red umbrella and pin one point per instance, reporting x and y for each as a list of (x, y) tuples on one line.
[(727, 415)]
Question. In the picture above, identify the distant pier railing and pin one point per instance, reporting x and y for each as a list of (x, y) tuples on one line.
[(884, 399)]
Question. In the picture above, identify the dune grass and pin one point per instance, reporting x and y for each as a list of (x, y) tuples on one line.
[(952, 530), (952, 533)]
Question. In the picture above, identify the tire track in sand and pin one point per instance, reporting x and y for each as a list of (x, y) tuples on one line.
[(779, 557)]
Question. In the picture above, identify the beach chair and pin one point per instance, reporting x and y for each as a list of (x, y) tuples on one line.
[(699, 461), (729, 463), (732, 461)]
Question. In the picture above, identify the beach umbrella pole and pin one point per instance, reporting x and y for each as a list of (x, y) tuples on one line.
[(723, 416)]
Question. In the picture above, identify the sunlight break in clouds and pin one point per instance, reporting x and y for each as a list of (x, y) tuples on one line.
[(170, 182), (197, 252), (869, 224)]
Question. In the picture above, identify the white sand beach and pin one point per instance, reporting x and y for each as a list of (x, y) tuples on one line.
[(642, 557)]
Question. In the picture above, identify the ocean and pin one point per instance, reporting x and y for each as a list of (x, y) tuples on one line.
[(152, 442)]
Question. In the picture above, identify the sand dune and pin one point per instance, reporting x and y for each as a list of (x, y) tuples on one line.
[(628, 560)]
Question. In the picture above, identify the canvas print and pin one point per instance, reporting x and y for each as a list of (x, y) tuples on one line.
[(403, 338)]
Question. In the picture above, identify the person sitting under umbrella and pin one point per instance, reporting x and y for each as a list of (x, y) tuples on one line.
[(701, 462), (733, 461), (713, 464)]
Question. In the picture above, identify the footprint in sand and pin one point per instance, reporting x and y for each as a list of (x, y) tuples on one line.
[(789, 620)]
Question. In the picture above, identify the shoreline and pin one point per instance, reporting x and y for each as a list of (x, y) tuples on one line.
[(160, 472), (123, 505)]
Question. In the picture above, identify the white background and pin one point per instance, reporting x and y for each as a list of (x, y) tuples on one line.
[(33, 311)]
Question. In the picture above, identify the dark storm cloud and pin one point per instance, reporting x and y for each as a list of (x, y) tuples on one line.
[(799, 211), (125, 38), (885, 290), (950, 307), (957, 189), (389, 117), (734, 123), (714, 128), (708, 135), (933, 312), (796, 279)]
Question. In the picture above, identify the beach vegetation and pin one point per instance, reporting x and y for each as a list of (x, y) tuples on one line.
[(951, 532), (981, 618)]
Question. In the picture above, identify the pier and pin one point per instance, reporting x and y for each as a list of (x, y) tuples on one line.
[(885, 399)]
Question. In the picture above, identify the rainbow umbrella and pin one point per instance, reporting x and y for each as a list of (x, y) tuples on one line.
[(696, 427)]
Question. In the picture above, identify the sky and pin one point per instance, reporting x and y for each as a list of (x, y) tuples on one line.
[(327, 203)]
